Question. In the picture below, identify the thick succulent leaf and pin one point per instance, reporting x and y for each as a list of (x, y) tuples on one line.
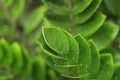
[(45, 50), (17, 8), (92, 25), (17, 58), (73, 54), (26, 70), (113, 6), (63, 7), (95, 62), (62, 21), (85, 54), (39, 69), (116, 75), (85, 15), (80, 5), (52, 55), (110, 31), (52, 75), (7, 55), (58, 6), (56, 40), (33, 19), (115, 54), (106, 68)]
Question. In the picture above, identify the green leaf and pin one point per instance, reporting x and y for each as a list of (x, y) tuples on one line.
[(7, 55), (85, 15), (33, 19), (17, 8), (113, 6), (62, 21), (52, 75), (95, 62), (52, 55), (73, 54), (58, 6), (26, 70), (56, 39), (106, 68), (85, 54), (92, 25), (38, 69), (63, 7), (110, 31), (115, 54), (80, 5), (17, 58)]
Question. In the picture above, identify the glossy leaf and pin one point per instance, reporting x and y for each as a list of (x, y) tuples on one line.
[(62, 21), (85, 54), (56, 39), (85, 15), (115, 54), (110, 31), (58, 6), (92, 25), (95, 60), (106, 68), (73, 54), (80, 5)]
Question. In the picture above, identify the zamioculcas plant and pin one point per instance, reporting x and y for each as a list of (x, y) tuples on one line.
[(82, 17), (59, 40), (74, 57)]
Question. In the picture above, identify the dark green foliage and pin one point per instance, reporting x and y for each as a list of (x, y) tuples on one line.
[(59, 40), (80, 64)]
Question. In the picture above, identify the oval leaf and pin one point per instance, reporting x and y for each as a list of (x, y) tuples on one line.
[(110, 31), (56, 39)]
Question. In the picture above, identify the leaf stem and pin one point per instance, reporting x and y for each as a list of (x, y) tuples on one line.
[(71, 15)]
